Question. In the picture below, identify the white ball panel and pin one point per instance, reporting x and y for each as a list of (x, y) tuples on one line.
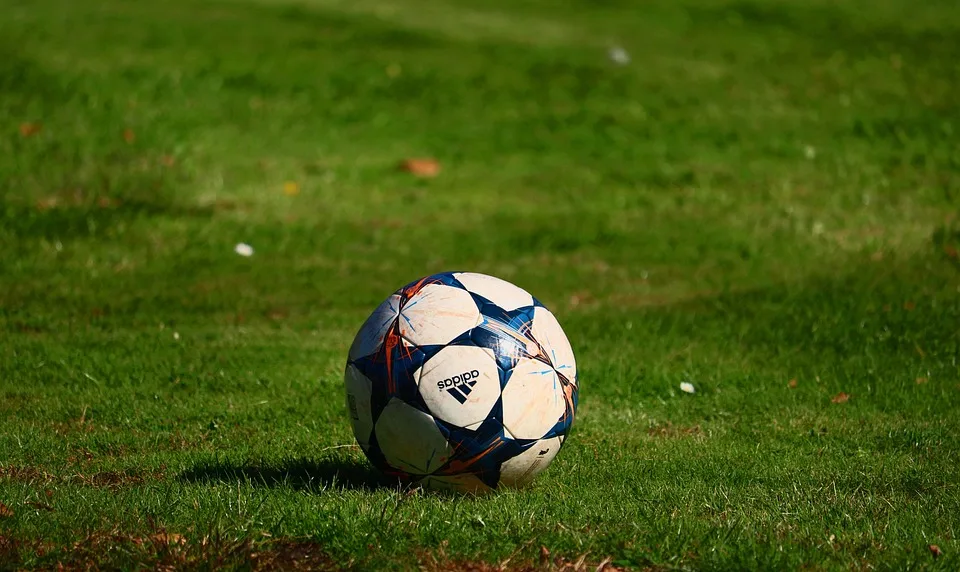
[(437, 314), (410, 440), (371, 334), (466, 483), (547, 331), (500, 292), (532, 400), (521, 470), (359, 389), (460, 384)]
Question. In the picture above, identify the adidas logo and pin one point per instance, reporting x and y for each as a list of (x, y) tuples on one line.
[(460, 386)]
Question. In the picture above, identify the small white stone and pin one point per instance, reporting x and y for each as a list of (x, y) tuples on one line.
[(619, 55), (687, 387), (243, 249)]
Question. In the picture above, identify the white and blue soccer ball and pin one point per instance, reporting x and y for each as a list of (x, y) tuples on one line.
[(461, 381)]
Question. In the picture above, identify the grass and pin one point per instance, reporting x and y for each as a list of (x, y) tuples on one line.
[(763, 202)]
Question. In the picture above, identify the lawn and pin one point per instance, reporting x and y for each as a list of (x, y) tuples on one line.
[(761, 200)]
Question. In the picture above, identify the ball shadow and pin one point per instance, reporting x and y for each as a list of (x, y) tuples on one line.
[(299, 474)]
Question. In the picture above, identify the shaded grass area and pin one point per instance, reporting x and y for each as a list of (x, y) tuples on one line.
[(763, 203)]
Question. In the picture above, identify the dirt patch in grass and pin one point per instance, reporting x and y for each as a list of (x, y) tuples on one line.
[(293, 555), (25, 474), (119, 479), (107, 479), (163, 550), (545, 562), (555, 565)]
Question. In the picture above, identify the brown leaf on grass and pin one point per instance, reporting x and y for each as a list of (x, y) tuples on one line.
[(544, 555), (935, 550), (792, 383), (5, 511), (168, 538), (421, 167), (840, 398), (909, 306), (28, 129), (291, 188), (129, 136), (921, 380)]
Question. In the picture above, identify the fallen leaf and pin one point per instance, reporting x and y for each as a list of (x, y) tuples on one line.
[(544, 555), (168, 538), (129, 136), (921, 380), (909, 306), (5, 511), (840, 398), (28, 129), (291, 188), (425, 167), (935, 550), (792, 383)]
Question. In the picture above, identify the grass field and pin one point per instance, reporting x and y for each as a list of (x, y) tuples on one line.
[(762, 202)]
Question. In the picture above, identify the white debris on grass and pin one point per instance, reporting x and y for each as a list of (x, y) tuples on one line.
[(243, 249), (176, 335), (618, 55), (687, 387)]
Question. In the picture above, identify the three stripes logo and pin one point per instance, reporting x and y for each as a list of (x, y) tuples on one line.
[(460, 386)]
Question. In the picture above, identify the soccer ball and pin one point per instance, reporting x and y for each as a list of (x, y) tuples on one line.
[(461, 381)]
